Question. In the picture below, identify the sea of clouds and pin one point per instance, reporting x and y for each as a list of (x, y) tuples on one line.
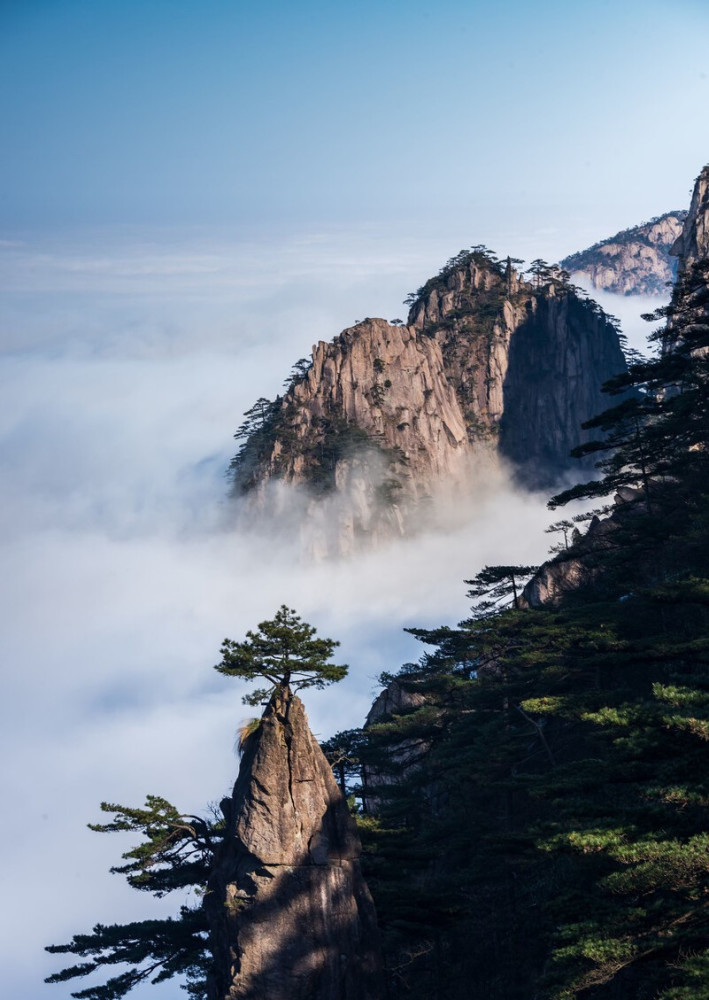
[(126, 362)]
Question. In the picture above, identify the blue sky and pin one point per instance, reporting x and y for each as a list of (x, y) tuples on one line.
[(192, 195), (275, 113)]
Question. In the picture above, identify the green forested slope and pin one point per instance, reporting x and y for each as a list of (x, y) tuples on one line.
[(552, 840)]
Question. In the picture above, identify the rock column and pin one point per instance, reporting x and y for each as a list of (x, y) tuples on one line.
[(290, 914)]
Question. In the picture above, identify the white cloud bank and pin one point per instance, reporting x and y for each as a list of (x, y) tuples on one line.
[(124, 372)]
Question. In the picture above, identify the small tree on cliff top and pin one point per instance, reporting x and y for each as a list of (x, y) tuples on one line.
[(285, 652), (177, 850)]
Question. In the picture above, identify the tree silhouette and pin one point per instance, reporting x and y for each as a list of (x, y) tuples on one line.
[(497, 584)]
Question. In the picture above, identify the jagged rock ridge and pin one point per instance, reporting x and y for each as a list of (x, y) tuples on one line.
[(488, 365), (636, 261), (291, 916)]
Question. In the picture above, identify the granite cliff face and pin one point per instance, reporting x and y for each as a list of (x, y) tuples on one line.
[(291, 917), (387, 416), (559, 357), (635, 261), (692, 243), (688, 310)]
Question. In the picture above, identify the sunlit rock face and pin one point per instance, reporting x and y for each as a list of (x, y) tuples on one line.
[(637, 261), (489, 370), (290, 914)]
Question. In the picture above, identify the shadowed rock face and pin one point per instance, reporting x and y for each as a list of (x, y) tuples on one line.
[(689, 308), (403, 757), (559, 357), (290, 914)]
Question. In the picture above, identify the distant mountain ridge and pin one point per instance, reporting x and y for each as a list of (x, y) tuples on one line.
[(636, 261)]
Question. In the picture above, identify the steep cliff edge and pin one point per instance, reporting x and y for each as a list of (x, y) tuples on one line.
[(688, 324), (387, 415), (291, 917), (692, 243), (636, 261)]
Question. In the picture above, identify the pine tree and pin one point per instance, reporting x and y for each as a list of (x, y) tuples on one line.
[(343, 752), (497, 584), (175, 854), (285, 652)]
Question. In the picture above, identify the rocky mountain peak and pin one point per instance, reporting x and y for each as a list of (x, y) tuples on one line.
[(291, 917), (466, 277), (490, 367), (688, 313)]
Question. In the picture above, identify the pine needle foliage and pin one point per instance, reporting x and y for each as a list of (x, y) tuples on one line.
[(174, 854), (283, 651)]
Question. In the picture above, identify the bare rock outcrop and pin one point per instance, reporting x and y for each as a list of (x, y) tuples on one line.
[(394, 699), (570, 570), (582, 563), (692, 243), (290, 914), (635, 261), (404, 757), (388, 416)]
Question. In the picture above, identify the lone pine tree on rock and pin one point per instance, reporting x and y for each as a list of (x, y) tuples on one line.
[(285, 652), (290, 914), (276, 905)]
